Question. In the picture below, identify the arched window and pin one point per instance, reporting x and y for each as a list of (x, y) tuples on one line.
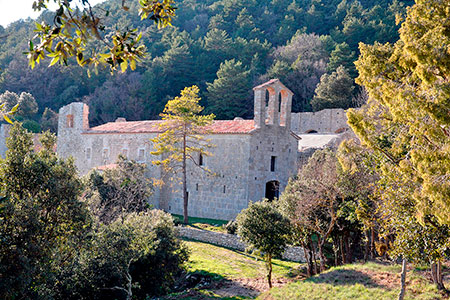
[(279, 102), (266, 102)]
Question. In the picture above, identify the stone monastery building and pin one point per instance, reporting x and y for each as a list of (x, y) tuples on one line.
[(252, 159)]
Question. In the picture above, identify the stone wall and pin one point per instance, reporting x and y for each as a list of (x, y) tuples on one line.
[(332, 120), (4, 133), (221, 193), (232, 241)]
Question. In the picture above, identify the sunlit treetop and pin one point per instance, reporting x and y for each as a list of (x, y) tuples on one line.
[(407, 117), (72, 28)]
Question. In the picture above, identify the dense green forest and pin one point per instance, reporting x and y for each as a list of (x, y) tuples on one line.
[(225, 47)]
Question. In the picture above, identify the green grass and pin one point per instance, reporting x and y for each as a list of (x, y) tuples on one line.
[(229, 264), (193, 220), (357, 281)]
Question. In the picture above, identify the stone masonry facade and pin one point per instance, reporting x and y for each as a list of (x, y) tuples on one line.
[(252, 159)]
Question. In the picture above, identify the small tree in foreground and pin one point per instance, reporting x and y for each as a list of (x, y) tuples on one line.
[(263, 227), (134, 258), (118, 191), (182, 136)]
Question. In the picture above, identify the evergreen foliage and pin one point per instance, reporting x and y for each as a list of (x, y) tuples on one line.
[(229, 95), (204, 34), (118, 191), (266, 229), (137, 257), (182, 139), (334, 91), (42, 215), (409, 107)]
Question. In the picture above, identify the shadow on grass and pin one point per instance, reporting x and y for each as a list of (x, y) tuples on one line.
[(208, 285), (345, 277)]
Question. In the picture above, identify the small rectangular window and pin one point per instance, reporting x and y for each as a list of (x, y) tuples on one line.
[(224, 189), (272, 163), (141, 155), (105, 153), (88, 153), (69, 121), (200, 160), (196, 186)]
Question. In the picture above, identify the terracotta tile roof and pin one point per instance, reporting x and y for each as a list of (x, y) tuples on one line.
[(126, 127), (232, 126), (107, 167), (218, 127)]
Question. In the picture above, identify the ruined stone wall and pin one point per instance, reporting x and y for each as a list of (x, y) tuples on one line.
[(233, 241), (73, 119), (325, 121)]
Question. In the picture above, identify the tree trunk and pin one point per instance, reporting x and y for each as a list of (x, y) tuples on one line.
[(314, 257), (403, 281), (436, 275), (366, 250), (341, 245), (322, 256), (348, 249), (336, 253), (185, 195), (308, 258), (269, 269), (372, 242)]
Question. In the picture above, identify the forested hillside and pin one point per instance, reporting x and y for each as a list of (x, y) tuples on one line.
[(225, 47)]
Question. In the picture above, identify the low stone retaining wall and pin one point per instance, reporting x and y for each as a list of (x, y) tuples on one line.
[(232, 241)]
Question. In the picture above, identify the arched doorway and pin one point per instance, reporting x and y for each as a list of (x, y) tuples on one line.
[(272, 190), (311, 131)]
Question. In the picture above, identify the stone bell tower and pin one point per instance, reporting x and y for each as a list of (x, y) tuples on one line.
[(273, 104)]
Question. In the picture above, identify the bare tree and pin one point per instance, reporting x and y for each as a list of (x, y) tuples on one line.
[(313, 197), (360, 98)]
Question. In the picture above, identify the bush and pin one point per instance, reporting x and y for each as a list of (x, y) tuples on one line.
[(231, 227), (140, 256), (32, 126), (118, 191), (263, 227)]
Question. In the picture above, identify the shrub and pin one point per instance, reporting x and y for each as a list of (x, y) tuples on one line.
[(118, 191), (266, 229), (32, 126), (231, 227), (138, 257)]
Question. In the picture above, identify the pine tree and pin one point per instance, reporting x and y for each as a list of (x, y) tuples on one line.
[(342, 55), (407, 120), (183, 135), (334, 91), (229, 96), (408, 84)]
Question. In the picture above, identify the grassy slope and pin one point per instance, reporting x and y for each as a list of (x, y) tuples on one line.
[(230, 264), (357, 281)]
